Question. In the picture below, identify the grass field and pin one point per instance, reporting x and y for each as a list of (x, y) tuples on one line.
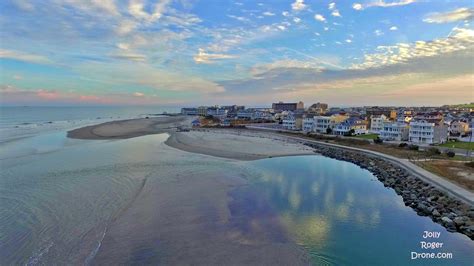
[(367, 136), (459, 145)]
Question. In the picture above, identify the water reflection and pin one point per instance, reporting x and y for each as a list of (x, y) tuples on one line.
[(340, 212)]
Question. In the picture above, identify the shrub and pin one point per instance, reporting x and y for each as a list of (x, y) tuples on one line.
[(450, 154), (328, 130), (413, 147), (402, 145), (378, 140), (433, 151)]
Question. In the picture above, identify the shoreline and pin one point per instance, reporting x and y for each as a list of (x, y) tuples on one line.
[(421, 195)]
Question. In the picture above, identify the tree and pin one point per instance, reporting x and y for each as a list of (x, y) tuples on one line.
[(328, 130), (450, 153)]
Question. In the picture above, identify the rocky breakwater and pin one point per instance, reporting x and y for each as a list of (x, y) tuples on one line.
[(425, 199)]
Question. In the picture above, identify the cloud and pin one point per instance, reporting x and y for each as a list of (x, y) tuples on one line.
[(336, 13), (461, 40), (382, 3), (348, 41), (136, 9), (130, 56), (357, 6), (285, 13), (450, 16), (298, 5), (378, 32), (25, 57), (125, 27), (243, 19), (296, 20), (331, 6), (319, 17), (206, 58), (393, 28), (138, 94), (24, 5), (267, 13)]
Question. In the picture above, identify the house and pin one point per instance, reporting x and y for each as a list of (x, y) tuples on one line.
[(318, 108), (458, 128), (321, 123), (428, 131), (359, 126), (308, 124), (292, 121), (376, 123), (397, 131), (196, 123)]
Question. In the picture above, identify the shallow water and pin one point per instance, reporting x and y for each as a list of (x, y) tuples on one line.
[(60, 200), (342, 215)]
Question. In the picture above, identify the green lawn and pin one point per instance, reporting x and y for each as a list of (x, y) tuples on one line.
[(367, 136), (459, 145)]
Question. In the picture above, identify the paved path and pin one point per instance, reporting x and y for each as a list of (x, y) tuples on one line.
[(442, 184)]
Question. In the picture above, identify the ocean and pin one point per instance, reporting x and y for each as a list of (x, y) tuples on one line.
[(139, 201)]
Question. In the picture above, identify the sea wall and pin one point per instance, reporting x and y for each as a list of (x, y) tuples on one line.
[(425, 199)]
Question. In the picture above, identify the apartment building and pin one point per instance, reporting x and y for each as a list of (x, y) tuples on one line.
[(308, 124), (376, 123), (397, 131), (321, 123), (428, 131)]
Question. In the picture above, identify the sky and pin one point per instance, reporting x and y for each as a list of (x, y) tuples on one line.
[(250, 52)]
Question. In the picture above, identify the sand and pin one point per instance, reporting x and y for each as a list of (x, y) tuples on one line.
[(225, 143), (125, 129), (235, 144)]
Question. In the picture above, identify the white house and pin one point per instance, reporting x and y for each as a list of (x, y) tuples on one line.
[(358, 125), (394, 131), (321, 123), (292, 122), (308, 124), (428, 131), (376, 123)]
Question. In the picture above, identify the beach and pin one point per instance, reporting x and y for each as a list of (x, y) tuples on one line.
[(124, 129)]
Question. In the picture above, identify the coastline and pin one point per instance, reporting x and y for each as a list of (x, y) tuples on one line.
[(424, 197)]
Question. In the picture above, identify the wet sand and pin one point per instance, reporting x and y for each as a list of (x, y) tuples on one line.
[(125, 129), (192, 216), (235, 144)]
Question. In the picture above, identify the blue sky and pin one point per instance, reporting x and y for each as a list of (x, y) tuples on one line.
[(186, 52)]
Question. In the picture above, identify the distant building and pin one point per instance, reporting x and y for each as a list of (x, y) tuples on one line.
[(281, 106), (359, 126), (388, 112), (397, 131), (189, 111), (202, 110), (428, 131), (376, 123), (308, 124), (321, 123), (216, 112), (457, 128), (292, 122), (318, 108)]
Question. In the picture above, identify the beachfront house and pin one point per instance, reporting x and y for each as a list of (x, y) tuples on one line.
[(308, 124), (356, 125), (321, 123), (397, 131), (428, 131), (292, 121), (376, 123), (196, 123)]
